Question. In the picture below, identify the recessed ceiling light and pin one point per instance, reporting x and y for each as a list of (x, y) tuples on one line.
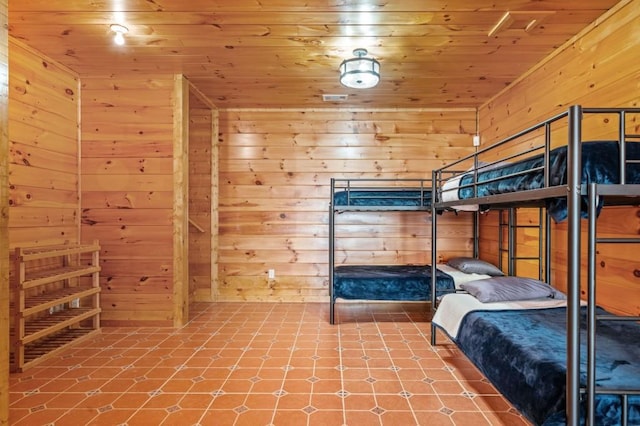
[(120, 31)]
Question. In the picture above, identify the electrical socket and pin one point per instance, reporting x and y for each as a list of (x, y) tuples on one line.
[(476, 140), (272, 274)]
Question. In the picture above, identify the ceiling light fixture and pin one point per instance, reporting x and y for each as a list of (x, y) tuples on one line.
[(120, 31), (360, 72)]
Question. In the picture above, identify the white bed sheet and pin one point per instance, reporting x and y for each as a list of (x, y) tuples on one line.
[(453, 308), (458, 276), (450, 193)]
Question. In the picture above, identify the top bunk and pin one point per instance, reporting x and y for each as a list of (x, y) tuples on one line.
[(380, 195), (580, 148)]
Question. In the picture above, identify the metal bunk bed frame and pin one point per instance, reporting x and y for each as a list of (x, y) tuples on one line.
[(574, 190), (352, 186)]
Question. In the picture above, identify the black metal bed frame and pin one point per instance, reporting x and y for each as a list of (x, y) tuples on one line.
[(357, 189), (623, 194)]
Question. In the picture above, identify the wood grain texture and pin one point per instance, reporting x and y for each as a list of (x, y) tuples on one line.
[(593, 70), (127, 194), (275, 171), (202, 175), (286, 54), (43, 150), (4, 217)]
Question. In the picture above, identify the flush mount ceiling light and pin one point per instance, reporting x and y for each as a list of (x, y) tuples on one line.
[(120, 31), (360, 72)]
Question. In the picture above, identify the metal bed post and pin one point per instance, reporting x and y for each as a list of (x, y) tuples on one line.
[(591, 306), (476, 233), (331, 254), (540, 243), (512, 241), (547, 240), (434, 255), (573, 270)]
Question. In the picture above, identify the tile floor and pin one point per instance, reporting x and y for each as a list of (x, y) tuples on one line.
[(263, 364)]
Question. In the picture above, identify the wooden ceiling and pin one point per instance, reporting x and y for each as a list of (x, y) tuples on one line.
[(286, 53)]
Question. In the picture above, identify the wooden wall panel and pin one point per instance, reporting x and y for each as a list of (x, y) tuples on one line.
[(275, 171), (43, 151), (202, 173), (4, 216), (598, 68), (127, 194)]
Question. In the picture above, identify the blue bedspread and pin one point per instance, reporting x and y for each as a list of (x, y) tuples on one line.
[(523, 353), (388, 282), (599, 165), (383, 198)]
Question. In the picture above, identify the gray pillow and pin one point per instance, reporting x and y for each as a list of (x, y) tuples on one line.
[(505, 289), (470, 265)]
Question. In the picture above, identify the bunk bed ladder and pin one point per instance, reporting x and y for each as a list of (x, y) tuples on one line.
[(508, 221)]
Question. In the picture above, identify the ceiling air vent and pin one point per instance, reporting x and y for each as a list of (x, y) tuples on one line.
[(334, 98)]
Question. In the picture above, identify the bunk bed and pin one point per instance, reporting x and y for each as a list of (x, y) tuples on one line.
[(380, 282), (558, 361)]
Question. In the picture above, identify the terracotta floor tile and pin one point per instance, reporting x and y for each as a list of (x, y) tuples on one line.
[(293, 401), (147, 417), (356, 418), (237, 386), (254, 418), (66, 400), (40, 417), (110, 417), (326, 417), (79, 416), (458, 403), (425, 402), (260, 401), (131, 400), (434, 418), (326, 401), (182, 418), (263, 363), (289, 417)]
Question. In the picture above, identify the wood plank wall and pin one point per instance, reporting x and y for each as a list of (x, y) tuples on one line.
[(203, 144), (4, 216), (599, 68), (127, 194), (275, 171), (44, 149)]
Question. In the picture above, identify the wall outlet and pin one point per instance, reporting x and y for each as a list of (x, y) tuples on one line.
[(272, 274), (476, 140)]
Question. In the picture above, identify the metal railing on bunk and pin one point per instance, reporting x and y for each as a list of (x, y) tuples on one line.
[(574, 191), (358, 191), (418, 190)]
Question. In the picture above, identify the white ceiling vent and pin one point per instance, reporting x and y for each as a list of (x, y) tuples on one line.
[(334, 98)]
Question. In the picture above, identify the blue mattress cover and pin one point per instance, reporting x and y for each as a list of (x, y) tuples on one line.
[(523, 353), (388, 282), (599, 165), (383, 198)]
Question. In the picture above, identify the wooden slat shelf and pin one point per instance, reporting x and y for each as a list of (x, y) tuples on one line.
[(45, 301), (50, 345), (55, 322), (58, 274), (45, 252), (51, 306)]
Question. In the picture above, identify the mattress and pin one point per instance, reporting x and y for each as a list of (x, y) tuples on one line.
[(523, 353), (599, 165), (388, 282), (383, 198)]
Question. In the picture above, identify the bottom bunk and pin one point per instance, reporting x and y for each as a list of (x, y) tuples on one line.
[(393, 282), (521, 348)]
